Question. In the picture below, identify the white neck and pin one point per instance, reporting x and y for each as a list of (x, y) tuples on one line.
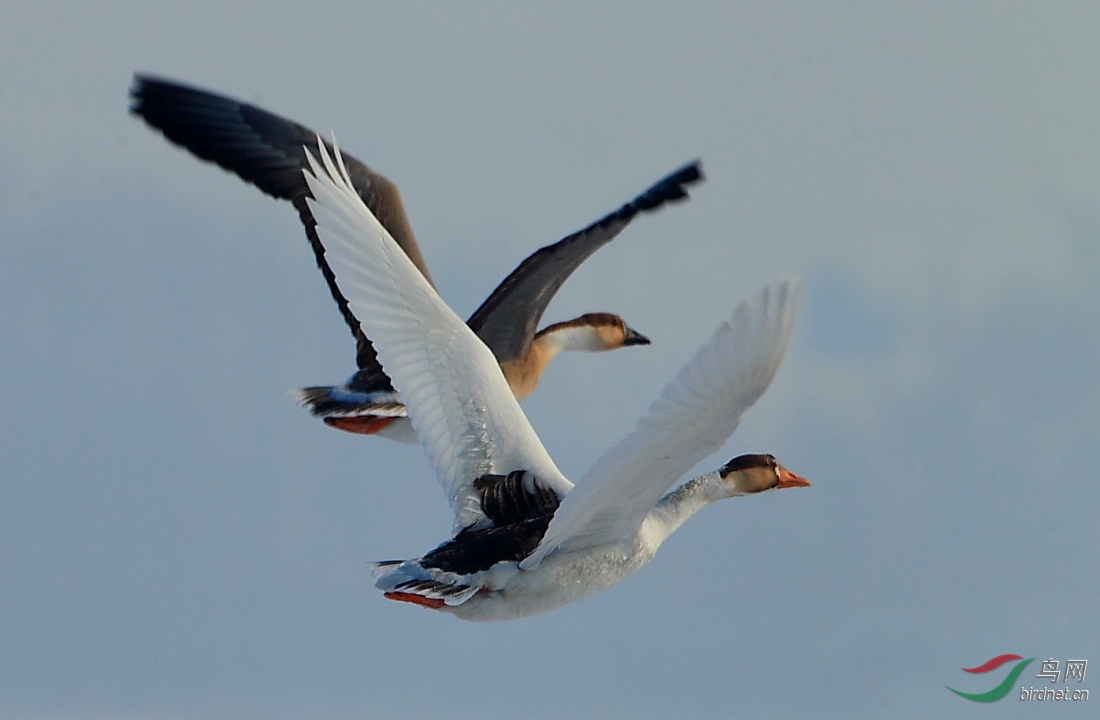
[(576, 337), (682, 502)]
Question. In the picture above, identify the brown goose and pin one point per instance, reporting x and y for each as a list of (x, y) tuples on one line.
[(268, 151)]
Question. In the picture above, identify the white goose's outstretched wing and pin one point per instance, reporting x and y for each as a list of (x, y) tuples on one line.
[(457, 398), (692, 418)]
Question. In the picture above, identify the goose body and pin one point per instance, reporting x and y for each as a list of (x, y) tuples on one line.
[(525, 540), (269, 151)]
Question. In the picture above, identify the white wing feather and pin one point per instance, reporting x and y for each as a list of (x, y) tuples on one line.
[(454, 391), (691, 419)]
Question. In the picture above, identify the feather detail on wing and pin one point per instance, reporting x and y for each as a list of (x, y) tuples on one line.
[(456, 396), (692, 418)]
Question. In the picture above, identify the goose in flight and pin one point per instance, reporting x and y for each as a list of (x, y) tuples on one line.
[(525, 540), (269, 152)]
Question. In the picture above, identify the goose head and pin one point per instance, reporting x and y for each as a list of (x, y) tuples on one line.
[(612, 331), (748, 474), (591, 332)]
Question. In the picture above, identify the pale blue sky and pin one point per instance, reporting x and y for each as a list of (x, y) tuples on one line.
[(178, 539)]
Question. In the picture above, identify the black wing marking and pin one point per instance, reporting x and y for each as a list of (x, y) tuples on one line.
[(508, 318), (515, 497), (472, 551), (266, 150), (520, 508)]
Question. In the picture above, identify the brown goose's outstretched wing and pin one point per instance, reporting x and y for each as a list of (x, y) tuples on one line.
[(508, 319), (266, 150)]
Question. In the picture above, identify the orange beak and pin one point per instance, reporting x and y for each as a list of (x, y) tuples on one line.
[(789, 479)]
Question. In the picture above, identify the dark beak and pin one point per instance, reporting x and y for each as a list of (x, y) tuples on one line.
[(633, 337)]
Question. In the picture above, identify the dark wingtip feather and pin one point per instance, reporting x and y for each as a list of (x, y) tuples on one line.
[(671, 188), (136, 86), (137, 93), (143, 86)]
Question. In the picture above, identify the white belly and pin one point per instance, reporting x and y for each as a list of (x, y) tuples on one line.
[(557, 581)]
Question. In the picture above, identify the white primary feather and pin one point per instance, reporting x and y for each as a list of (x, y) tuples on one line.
[(455, 393), (692, 418)]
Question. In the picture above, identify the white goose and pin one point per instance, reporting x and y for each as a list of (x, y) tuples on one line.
[(525, 541), (269, 152)]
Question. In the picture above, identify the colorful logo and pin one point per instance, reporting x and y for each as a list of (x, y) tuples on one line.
[(1002, 689)]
